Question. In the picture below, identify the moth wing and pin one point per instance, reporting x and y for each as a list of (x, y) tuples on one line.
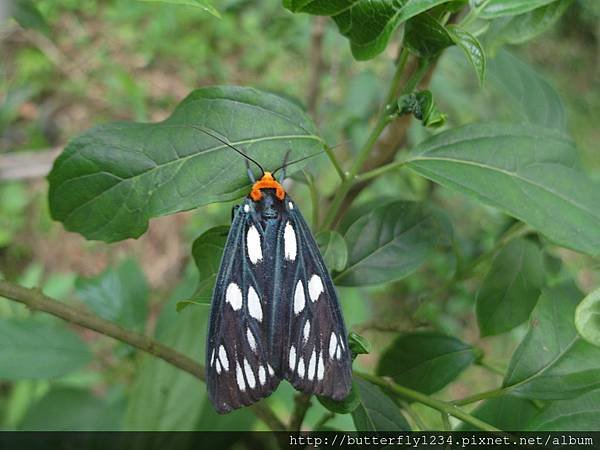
[(316, 357), (238, 372)]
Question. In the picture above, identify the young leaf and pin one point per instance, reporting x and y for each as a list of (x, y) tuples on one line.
[(499, 8), (369, 24), (511, 288), (579, 414), (523, 170), (425, 36), (119, 294), (587, 318), (472, 49), (425, 361), (334, 249), (532, 98), (203, 4), (110, 181), (389, 243), (553, 361), (72, 409), (38, 350), (359, 345), (423, 107), (505, 413), (376, 411)]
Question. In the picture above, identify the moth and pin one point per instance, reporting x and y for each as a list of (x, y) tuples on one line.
[(274, 313)]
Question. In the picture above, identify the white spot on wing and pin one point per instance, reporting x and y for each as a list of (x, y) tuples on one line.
[(290, 205), (251, 340), (332, 345), (299, 299), (292, 358), (249, 374), (262, 376), (218, 367), (254, 307), (301, 367), (212, 358), (338, 352), (306, 331), (246, 208), (223, 358), (341, 342), (289, 242), (315, 287), (312, 365), (233, 296), (253, 245), (270, 369), (320, 367), (239, 377)]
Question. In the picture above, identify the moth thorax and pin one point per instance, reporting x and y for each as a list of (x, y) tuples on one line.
[(266, 182)]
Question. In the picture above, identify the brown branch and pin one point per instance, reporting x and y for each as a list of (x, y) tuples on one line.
[(302, 403), (317, 64), (35, 300), (27, 165)]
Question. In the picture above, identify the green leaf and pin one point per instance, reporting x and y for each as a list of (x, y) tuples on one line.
[(369, 24), (73, 409), (587, 318), (523, 170), (425, 36), (524, 27), (333, 249), (119, 294), (389, 243), (531, 97), (472, 48), (499, 8), (505, 413), (359, 345), (425, 361), (423, 107), (110, 181), (511, 288), (27, 14), (164, 398), (579, 414), (553, 361), (30, 348), (319, 7), (376, 411), (345, 406), (207, 251), (203, 4)]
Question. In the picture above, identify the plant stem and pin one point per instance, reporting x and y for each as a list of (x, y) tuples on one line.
[(324, 419), (491, 367), (302, 403), (35, 300), (446, 421), (480, 396), (439, 405), (335, 162), (380, 171), (413, 415)]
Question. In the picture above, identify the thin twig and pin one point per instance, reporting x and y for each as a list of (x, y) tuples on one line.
[(302, 403), (317, 65), (35, 300)]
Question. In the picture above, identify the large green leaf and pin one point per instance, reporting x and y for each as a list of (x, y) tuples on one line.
[(73, 409), (319, 7), (376, 411), (553, 361), (587, 318), (510, 288), (425, 361), (118, 294), (523, 170), (110, 181), (164, 398), (499, 8), (524, 27), (505, 413), (578, 414), (369, 24), (531, 98), (389, 243), (30, 348), (472, 49)]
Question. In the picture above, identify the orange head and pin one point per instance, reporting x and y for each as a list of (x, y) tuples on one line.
[(266, 182)]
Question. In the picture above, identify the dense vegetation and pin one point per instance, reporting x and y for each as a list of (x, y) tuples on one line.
[(456, 205)]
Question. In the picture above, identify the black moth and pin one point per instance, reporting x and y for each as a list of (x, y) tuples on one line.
[(275, 313)]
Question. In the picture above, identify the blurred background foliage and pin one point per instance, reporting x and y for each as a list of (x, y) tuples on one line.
[(83, 63)]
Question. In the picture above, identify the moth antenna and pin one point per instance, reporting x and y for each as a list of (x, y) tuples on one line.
[(286, 164), (224, 140)]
